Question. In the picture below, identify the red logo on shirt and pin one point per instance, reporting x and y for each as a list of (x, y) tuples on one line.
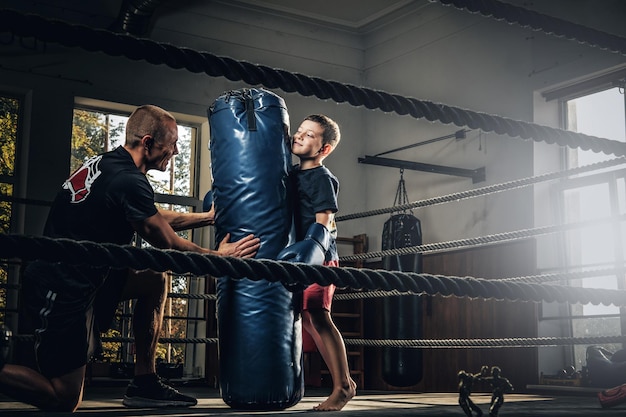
[(79, 184)]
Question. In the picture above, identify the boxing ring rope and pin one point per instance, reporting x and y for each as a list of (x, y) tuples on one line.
[(514, 342), (489, 189), (550, 293), (510, 342), (478, 241), (293, 274), (28, 25), (540, 22), (562, 276), (566, 276)]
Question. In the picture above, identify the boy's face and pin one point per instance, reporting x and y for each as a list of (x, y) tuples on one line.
[(307, 141)]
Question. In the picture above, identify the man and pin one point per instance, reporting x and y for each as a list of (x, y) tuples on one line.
[(108, 199)]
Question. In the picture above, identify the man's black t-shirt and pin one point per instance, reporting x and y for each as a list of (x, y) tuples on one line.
[(99, 201)]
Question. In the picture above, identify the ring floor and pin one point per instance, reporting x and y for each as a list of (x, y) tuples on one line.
[(106, 401)]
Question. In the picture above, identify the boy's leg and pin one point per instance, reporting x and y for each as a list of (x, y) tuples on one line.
[(330, 345)]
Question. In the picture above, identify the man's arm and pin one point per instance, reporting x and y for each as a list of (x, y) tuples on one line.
[(184, 221), (158, 232)]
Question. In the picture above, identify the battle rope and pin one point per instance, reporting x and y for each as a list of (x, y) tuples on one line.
[(95, 254), (490, 189), (28, 25), (541, 22)]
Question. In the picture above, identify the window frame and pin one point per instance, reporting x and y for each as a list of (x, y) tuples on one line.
[(16, 199), (572, 316), (194, 356)]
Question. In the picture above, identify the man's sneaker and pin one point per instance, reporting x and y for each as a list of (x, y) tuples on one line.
[(155, 394)]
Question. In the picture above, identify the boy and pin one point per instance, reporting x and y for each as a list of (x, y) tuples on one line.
[(317, 189)]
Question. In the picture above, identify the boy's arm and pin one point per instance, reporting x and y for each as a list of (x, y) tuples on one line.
[(312, 249), (325, 218)]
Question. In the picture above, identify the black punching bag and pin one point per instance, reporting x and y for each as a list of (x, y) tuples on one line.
[(259, 328), (402, 315)]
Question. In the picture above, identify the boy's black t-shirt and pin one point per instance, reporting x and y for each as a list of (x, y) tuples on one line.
[(316, 190)]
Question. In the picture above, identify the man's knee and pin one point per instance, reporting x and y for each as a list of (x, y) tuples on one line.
[(146, 283), (68, 393), (67, 404)]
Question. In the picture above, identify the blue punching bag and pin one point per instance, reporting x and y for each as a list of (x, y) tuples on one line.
[(259, 327), (402, 315)]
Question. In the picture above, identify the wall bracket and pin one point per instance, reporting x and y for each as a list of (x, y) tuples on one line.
[(477, 175)]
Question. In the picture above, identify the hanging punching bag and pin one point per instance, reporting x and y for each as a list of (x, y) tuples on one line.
[(260, 345), (402, 315)]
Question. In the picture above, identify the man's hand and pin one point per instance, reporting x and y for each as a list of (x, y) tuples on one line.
[(245, 247)]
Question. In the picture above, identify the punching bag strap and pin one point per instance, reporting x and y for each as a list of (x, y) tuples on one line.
[(401, 198), (401, 195), (250, 113)]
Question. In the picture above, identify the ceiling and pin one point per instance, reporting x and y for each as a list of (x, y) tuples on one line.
[(357, 16), (347, 14), (352, 15)]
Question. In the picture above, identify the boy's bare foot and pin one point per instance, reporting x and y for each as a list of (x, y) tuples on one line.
[(338, 398)]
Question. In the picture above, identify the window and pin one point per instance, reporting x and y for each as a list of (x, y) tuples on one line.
[(9, 115), (597, 201), (9, 129), (96, 130)]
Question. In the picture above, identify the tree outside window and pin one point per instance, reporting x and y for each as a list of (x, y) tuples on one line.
[(9, 115)]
